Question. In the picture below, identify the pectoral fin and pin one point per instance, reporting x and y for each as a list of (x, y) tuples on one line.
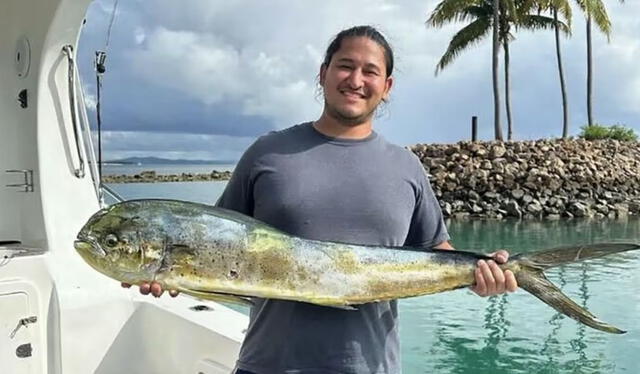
[(219, 297)]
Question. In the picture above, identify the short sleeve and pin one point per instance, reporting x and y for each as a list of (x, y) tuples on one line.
[(238, 194), (427, 228)]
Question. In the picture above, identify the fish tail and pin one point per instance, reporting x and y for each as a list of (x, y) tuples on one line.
[(531, 278)]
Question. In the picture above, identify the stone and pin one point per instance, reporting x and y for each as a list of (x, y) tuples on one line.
[(447, 210), (497, 151), (517, 194), (621, 209), (513, 209), (579, 209), (491, 196), (534, 208), (473, 196)]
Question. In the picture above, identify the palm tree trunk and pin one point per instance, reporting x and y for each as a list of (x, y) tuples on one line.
[(589, 73), (507, 88), (496, 89), (563, 88)]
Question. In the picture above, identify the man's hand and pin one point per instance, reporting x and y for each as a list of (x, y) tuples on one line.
[(490, 279), (153, 288)]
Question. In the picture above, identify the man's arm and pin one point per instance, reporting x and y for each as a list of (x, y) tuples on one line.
[(490, 279)]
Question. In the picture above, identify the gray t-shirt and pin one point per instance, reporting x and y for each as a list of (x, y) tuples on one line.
[(356, 191)]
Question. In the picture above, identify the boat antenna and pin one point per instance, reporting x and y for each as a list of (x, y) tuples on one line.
[(101, 56)]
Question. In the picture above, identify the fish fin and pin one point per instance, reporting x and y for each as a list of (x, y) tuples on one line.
[(535, 282), (219, 297), (532, 279), (564, 255), (343, 307)]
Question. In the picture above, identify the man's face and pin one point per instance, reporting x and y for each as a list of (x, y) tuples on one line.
[(355, 81)]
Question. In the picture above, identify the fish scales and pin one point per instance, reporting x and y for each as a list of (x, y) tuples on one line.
[(217, 254)]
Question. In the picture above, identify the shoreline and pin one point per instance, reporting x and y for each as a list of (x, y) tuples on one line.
[(542, 179), (151, 176)]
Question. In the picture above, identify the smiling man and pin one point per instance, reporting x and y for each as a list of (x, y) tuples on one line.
[(336, 179)]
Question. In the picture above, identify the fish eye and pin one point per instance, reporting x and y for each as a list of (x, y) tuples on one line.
[(111, 240)]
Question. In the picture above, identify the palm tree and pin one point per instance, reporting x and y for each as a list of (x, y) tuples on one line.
[(494, 66), (595, 11), (482, 14), (562, 6), (523, 15)]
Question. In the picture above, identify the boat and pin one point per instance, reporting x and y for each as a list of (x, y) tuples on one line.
[(57, 315)]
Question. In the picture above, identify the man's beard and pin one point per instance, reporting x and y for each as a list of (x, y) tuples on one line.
[(348, 120)]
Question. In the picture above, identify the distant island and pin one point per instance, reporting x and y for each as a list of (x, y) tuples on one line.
[(166, 161)]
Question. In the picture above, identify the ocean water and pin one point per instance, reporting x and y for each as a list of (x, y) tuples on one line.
[(129, 169), (459, 332)]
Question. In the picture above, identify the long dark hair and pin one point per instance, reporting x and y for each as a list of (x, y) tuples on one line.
[(361, 31)]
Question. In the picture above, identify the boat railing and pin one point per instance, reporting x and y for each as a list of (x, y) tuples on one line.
[(82, 129), (111, 193), (68, 51)]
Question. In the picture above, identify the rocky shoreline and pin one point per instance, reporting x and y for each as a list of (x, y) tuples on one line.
[(151, 176), (547, 179), (543, 179)]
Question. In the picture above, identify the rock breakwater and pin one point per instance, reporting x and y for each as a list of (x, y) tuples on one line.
[(534, 179), (151, 176)]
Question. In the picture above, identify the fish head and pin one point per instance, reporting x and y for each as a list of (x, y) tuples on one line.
[(123, 241)]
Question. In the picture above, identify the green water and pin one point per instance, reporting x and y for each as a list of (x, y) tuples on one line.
[(459, 332)]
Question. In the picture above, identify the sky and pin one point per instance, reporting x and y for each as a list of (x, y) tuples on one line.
[(203, 79)]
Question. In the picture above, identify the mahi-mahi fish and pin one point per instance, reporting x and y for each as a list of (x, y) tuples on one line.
[(218, 254)]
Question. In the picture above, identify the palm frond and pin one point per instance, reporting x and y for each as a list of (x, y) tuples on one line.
[(449, 11), (598, 13), (582, 4), (536, 22), (600, 17), (564, 9), (475, 12), (471, 34), (512, 11)]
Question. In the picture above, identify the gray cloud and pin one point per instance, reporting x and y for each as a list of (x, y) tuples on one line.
[(121, 144), (245, 67)]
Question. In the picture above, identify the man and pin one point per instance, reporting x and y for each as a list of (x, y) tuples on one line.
[(336, 179)]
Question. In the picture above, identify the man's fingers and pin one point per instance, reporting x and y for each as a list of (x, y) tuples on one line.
[(153, 288), (156, 289), (488, 276), (145, 288), (498, 277), (511, 284), (500, 256), (481, 287)]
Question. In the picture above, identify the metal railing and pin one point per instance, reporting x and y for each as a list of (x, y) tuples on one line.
[(79, 172)]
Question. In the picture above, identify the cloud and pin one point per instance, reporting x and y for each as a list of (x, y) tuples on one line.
[(242, 68), (212, 71), (121, 144)]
